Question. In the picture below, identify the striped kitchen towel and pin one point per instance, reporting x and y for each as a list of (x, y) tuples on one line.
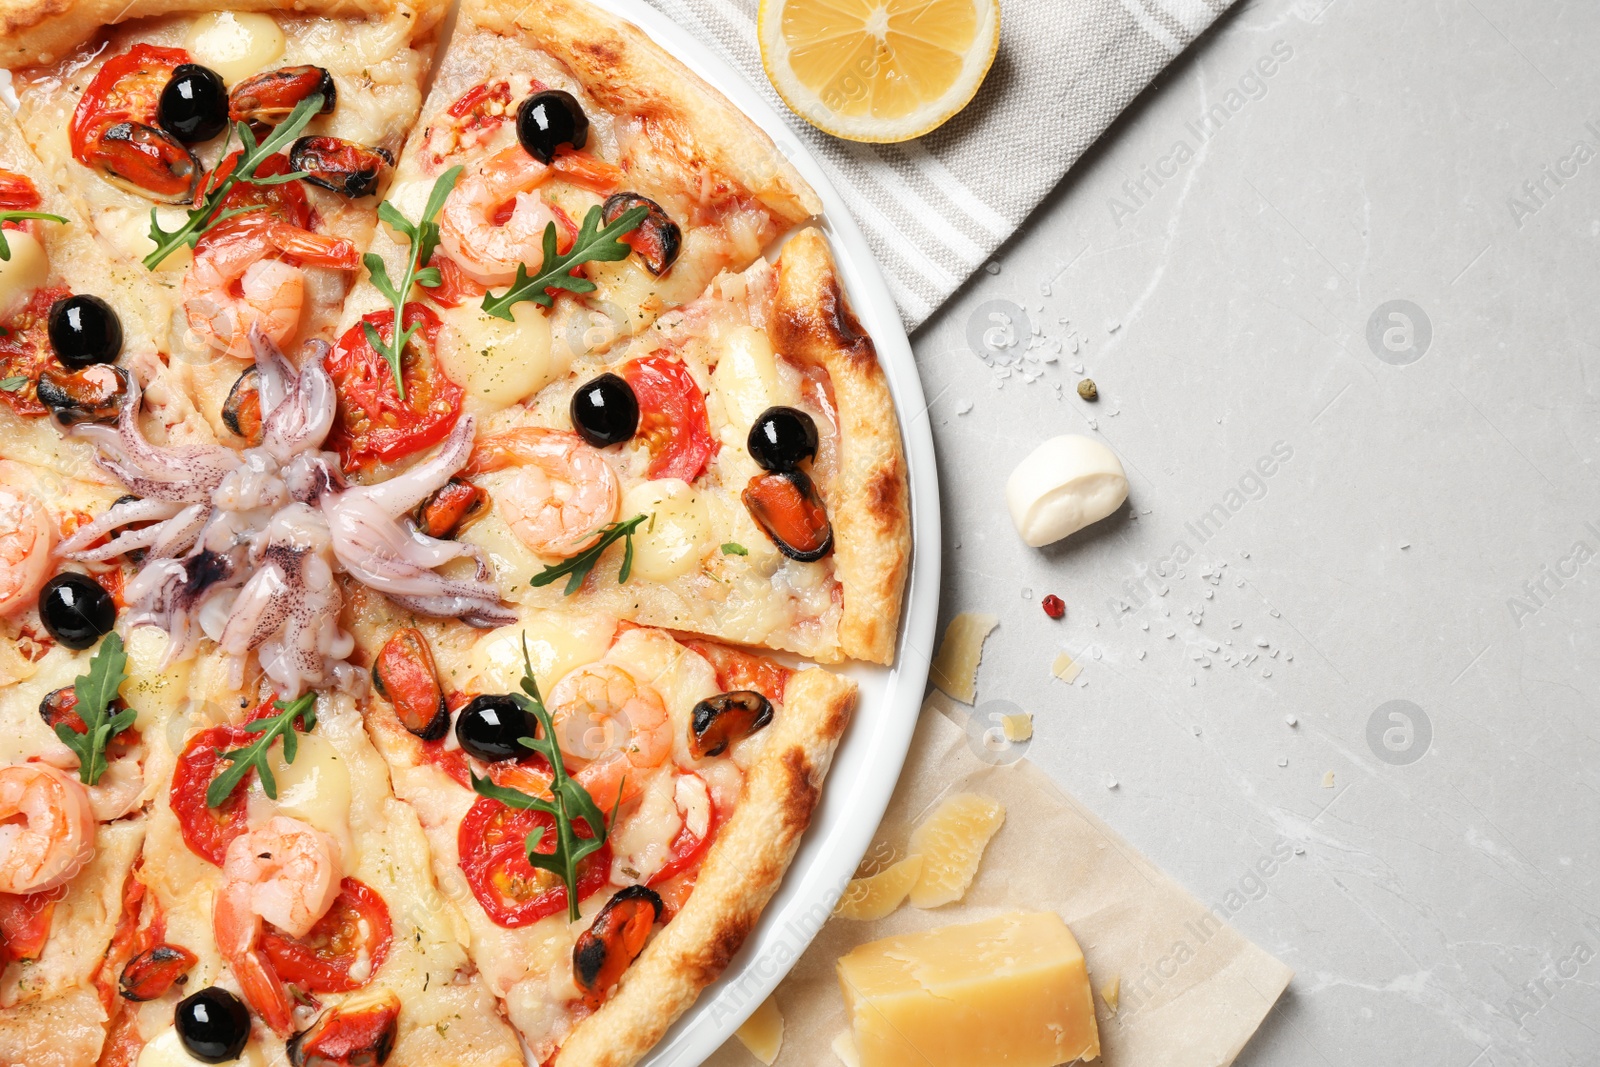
[(934, 209)]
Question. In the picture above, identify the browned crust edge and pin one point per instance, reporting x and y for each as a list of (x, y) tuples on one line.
[(628, 73), (869, 503), (740, 875), (42, 31)]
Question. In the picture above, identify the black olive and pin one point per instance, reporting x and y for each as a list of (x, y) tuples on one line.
[(194, 105), (76, 609), (491, 727), (84, 330), (548, 120), (782, 438), (213, 1024), (605, 411)]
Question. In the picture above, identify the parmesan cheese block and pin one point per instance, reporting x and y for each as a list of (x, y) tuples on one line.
[(1012, 990)]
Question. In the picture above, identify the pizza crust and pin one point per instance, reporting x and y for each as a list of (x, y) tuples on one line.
[(630, 74), (869, 504), (42, 31), (742, 871)]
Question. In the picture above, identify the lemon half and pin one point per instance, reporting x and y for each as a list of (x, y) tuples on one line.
[(878, 70)]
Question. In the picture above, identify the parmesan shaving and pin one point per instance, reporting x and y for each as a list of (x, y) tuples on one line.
[(1111, 993), (955, 665), (876, 896), (951, 843), (1065, 668), (762, 1033)]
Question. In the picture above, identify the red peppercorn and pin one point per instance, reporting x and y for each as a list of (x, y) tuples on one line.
[(1053, 606)]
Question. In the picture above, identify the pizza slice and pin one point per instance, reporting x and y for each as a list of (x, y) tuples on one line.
[(553, 117), (233, 156), (734, 470), (309, 905), (702, 763), (79, 729)]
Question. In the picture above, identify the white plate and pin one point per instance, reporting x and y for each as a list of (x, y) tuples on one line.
[(874, 748)]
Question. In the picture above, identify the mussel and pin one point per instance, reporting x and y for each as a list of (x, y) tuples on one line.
[(719, 721), (786, 506), (343, 166), (94, 394), (657, 239)]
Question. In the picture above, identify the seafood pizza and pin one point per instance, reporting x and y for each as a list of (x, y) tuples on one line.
[(413, 516)]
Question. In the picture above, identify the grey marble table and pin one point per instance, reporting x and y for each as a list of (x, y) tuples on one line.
[(1336, 279)]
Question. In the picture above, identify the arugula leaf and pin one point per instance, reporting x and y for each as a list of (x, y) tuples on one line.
[(254, 755), (199, 219), (594, 243), (14, 384), (18, 216), (424, 238), (733, 548), (568, 800), (576, 569), (95, 692)]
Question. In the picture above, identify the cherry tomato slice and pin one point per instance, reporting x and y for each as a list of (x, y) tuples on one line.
[(208, 831), (672, 417), (286, 202), (25, 350), (738, 669), (688, 850), (25, 923), (455, 286), (126, 89), (321, 962), (17, 192), (482, 104), (512, 891), (373, 423)]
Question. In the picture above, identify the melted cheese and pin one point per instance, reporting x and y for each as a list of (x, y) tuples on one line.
[(315, 789), (498, 363), (746, 375), (234, 45), (26, 270), (951, 843), (157, 691), (556, 642), (1012, 990), (166, 1050), (677, 535)]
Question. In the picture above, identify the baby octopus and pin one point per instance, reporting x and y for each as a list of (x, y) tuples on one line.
[(243, 547)]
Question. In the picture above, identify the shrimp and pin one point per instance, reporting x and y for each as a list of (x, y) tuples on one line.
[(286, 873), (486, 250), (237, 281), (27, 535), (563, 492), (619, 726), (46, 828)]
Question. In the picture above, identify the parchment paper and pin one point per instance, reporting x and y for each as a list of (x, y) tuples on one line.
[(1193, 991)]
